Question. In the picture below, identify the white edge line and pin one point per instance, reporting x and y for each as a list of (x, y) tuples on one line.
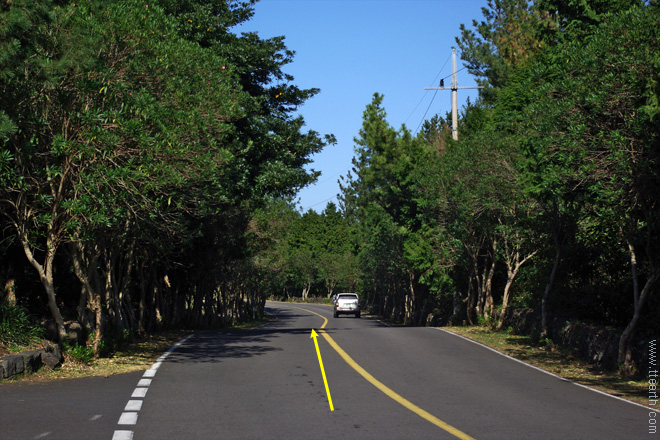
[(136, 405), (176, 345), (547, 372)]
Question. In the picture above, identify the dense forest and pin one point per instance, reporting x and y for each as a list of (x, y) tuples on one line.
[(136, 142), (149, 158)]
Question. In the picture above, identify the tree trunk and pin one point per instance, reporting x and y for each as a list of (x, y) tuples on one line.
[(97, 307), (546, 294), (480, 282), (505, 298), (45, 272), (638, 301), (409, 304), (93, 296), (142, 311), (10, 292), (471, 305), (471, 298), (47, 281), (306, 289), (488, 284), (10, 287), (513, 265)]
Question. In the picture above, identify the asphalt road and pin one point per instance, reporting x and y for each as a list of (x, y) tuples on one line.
[(266, 383)]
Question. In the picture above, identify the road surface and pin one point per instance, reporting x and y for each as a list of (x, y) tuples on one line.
[(266, 383)]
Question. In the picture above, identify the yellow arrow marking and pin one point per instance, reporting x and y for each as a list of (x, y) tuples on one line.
[(325, 381), (381, 386)]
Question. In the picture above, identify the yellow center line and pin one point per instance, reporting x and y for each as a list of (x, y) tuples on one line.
[(389, 392)]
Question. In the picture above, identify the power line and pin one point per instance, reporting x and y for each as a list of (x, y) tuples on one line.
[(331, 177), (424, 95), (418, 127), (436, 92), (454, 89), (316, 204), (427, 110)]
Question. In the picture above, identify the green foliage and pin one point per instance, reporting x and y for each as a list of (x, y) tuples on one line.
[(80, 353), (387, 197), (306, 253), (163, 151), (589, 143), (17, 327), (487, 321), (535, 336), (142, 137), (546, 342), (556, 164), (513, 32)]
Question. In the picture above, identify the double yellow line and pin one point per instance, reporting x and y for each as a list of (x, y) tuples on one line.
[(389, 392)]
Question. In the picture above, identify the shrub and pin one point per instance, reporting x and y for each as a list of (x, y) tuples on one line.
[(17, 328), (79, 352)]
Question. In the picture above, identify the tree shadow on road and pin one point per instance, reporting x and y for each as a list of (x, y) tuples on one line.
[(214, 346)]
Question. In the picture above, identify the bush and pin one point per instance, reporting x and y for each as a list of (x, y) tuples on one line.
[(79, 352), (17, 329), (111, 342), (490, 322)]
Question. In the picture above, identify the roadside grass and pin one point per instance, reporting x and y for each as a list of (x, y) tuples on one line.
[(135, 355), (559, 362)]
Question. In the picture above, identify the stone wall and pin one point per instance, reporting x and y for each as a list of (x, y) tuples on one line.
[(594, 344), (50, 356), (30, 361)]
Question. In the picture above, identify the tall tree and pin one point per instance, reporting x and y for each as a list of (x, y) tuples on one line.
[(512, 32), (382, 198), (35, 181), (592, 142), (131, 147)]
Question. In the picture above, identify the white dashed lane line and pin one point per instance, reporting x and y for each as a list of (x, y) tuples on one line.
[(132, 409)]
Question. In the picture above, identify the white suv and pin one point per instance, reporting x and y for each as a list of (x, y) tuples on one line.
[(347, 304)]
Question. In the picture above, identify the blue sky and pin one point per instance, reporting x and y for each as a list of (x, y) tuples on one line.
[(351, 49)]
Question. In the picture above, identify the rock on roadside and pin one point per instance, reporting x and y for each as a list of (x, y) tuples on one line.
[(30, 361)]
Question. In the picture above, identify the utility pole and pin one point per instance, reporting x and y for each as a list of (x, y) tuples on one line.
[(454, 94)]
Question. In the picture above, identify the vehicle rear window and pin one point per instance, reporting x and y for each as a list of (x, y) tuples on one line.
[(348, 296)]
